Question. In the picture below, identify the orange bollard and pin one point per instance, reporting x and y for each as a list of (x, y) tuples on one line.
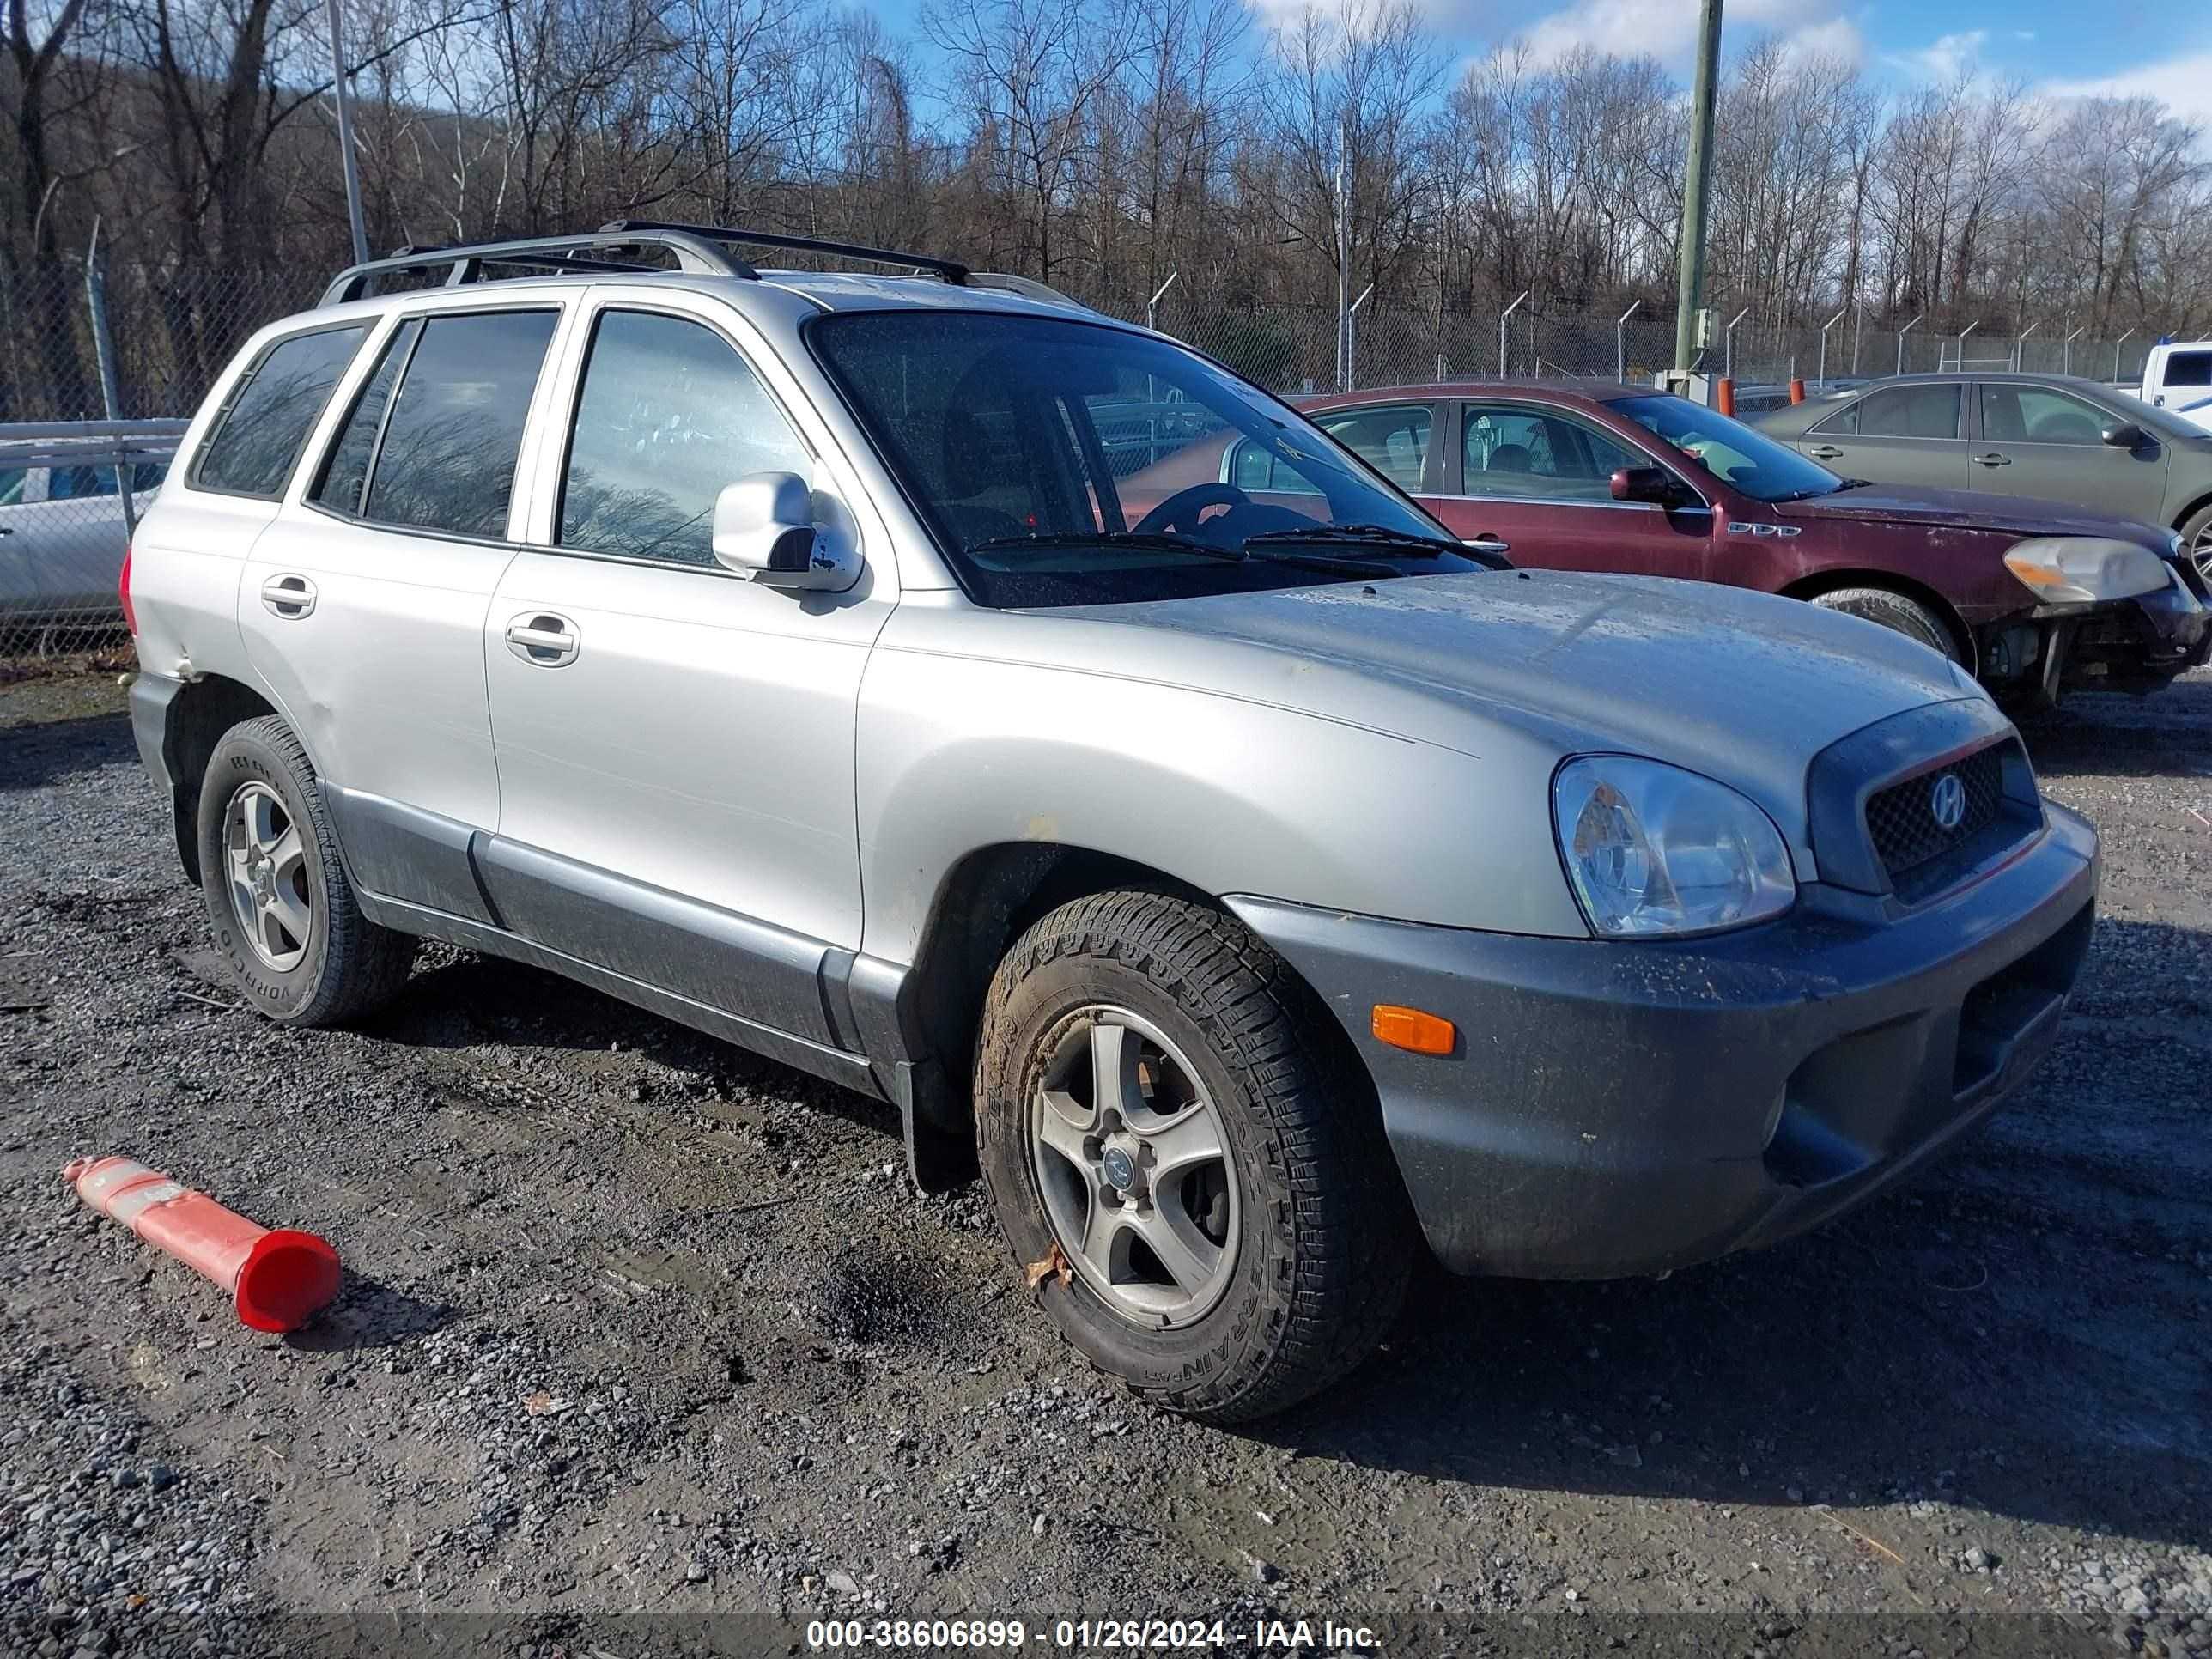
[(1796, 389), (1724, 395), (277, 1278)]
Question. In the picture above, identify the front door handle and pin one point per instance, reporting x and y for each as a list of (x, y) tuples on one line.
[(1993, 459), (541, 639), (288, 596), (1825, 452), (1486, 542)]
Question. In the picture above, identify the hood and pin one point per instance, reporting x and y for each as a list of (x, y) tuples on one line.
[(1739, 685), (1969, 509)]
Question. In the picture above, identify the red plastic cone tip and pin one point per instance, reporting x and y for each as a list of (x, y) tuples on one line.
[(287, 1278)]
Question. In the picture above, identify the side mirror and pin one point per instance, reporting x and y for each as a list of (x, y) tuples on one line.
[(2125, 435), (1644, 483), (764, 530)]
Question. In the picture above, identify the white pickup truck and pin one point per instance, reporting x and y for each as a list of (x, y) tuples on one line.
[(2177, 377)]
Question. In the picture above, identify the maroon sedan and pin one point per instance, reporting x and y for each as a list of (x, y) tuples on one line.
[(1584, 476)]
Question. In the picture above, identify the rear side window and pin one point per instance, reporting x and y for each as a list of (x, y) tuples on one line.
[(670, 416), (446, 458), (2189, 368), (1394, 441), (1901, 411), (265, 421)]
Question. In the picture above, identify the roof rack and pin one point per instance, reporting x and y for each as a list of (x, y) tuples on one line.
[(701, 249)]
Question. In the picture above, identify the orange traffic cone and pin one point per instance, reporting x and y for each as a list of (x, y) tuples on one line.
[(278, 1278)]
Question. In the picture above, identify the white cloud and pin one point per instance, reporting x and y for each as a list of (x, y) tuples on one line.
[(1950, 57), (1838, 38), (1667, 29), (2184, 83)]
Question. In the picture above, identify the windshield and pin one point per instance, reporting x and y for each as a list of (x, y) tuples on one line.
[(1750, 461), (1060, 462)]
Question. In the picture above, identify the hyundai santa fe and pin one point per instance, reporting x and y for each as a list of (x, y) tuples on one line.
[(1254, 892)]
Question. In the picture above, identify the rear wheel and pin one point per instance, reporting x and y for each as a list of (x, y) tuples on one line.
[(1908, 616), (285, 919), (1198, 1182), (2197, 541)]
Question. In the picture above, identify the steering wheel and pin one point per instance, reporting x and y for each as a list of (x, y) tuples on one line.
[(1169, 514)]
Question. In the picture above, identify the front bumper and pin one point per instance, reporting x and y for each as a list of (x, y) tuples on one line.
[(1615, 1109), (2138, 644)]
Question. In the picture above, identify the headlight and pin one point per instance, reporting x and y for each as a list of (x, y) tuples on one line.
[(1651, 848), (2082, 569)]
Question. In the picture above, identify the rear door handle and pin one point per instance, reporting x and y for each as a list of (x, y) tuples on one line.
[(541, 639), (1486, 542), (1993, 459), (288, 596), (1824, 451)]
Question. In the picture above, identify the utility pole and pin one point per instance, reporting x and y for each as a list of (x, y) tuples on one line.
[(1690, 292), (345, 135)]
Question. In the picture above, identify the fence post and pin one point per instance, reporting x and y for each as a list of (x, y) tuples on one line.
[(2117, 344), (1503, 317), (2019, 345), (1906, 330), (1620, 345), (1152, 304), (1825, 327), (1963, 333), (1350, 338), (103, 350), (1727, 355), (2066, 351)]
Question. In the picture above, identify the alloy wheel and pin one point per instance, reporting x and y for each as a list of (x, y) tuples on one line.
[(1132, 1163), (270, 897)]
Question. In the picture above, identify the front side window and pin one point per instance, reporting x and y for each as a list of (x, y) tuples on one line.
[(1514, 452), (264, 423), (1750, 461), (345, 472), (1901, 411), (1060, 462), (670, 416), (2040, 414), (447, 455)]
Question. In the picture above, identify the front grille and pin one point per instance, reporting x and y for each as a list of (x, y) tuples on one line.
[(1903, 824)]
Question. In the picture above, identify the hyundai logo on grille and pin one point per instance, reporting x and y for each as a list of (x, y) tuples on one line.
[(1947, 801)]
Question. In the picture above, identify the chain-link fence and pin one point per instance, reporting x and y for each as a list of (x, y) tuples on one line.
[(81, 343)]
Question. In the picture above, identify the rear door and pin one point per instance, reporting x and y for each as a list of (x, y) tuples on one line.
[(2047, 443), (675, 766), (363, 604), (1536, 484), (1913, 433)]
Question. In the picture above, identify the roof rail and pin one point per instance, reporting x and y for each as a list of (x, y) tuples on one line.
[(594, 251), (701, 249), (951, 270)]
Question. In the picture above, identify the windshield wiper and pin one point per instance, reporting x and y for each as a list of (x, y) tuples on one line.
[(1164, 542), (1404, 544)]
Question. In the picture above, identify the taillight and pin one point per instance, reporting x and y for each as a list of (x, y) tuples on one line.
[(123, 593)]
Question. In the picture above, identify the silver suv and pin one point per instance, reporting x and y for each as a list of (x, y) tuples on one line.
[(1253, 883)]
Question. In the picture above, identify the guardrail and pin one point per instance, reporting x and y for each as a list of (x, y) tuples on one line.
[(70, 494)]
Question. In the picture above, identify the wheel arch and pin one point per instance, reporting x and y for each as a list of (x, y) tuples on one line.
[(198, 716), (1830, 580)]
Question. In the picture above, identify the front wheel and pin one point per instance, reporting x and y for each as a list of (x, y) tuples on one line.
[(2196, 541), (285, 919), (1906, 616), (1196, 1178)]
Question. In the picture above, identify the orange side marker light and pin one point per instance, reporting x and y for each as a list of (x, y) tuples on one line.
[(1413, 1030)]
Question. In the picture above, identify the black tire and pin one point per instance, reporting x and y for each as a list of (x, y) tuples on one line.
[(1894, 610), (347, 965), (1321, 1254)]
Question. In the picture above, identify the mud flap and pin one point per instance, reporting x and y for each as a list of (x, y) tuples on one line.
[(940, 1151)]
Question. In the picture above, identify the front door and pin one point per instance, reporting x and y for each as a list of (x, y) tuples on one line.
[(1913, 433), (676, 742), (2045, 444), (1536, 484)]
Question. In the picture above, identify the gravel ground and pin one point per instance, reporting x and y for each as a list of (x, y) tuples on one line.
[(639, 1327)]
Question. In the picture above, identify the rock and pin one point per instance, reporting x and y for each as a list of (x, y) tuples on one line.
[(1977, 1558), (695, 1573), (1266, 1572), (841, 1582)]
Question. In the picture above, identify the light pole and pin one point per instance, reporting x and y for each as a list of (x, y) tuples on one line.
[(1690, 276), (345, 136)]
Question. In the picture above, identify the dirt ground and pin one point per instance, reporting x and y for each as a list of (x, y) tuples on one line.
[(648, 1345)]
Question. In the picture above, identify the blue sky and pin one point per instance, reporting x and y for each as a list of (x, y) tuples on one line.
[(2063, 46)]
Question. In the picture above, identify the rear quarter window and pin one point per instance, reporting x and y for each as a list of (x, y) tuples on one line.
[(263, 424)]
